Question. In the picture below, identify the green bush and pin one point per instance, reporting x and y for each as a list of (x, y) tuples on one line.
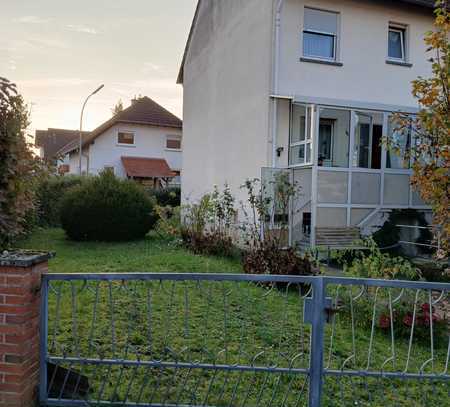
[(167, 197), (50, 193), (105, 208), (375, 264)]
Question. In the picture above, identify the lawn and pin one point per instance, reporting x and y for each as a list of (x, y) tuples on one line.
[(215, 323), (150, 255)]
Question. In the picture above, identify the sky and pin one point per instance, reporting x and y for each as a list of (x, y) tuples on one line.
[(58, 51)]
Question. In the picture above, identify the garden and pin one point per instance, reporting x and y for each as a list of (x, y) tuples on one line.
[(224, 323), (102, 224)]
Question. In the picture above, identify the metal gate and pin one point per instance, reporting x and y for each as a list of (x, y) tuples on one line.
[(242, 340)]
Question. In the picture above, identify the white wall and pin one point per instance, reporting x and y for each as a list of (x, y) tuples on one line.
[(150, 142), (364, 76), (227, 77)]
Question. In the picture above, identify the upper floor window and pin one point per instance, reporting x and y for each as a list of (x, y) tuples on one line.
[(397, 43), (320, 34), (173, 143), (125, 138)]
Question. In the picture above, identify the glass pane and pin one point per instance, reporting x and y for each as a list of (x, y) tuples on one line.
[(325, 132), (400, 143), (361, 152), (395, 44), (308, 153), (319, 20), (298, 124), (318, 45), (297, 155), (334, 137)]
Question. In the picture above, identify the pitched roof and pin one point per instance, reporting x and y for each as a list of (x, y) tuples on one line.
[(421, 3), (141, 167), (52, 140), (141, 111)]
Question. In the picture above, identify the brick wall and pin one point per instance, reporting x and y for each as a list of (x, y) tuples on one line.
[(19, 333)]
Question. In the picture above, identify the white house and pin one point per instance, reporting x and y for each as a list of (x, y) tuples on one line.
[(306, 87), (142, 142)]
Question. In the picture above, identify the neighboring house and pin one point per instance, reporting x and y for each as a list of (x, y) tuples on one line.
[(143, 142), (307, 87), (50, 141)]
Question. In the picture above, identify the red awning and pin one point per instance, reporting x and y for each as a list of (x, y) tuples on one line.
[(139, 167)]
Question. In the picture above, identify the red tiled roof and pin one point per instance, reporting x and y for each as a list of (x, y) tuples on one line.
[(141, 167), (142, 111)]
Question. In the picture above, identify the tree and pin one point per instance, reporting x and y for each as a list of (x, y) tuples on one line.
[(430, 128), (20, 169), (117, 108)]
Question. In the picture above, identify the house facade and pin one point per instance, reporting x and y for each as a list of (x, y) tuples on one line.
[(142, 142), (50, 141), (306, 87)]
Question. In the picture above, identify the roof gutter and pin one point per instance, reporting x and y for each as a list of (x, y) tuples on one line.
[(276, 69)]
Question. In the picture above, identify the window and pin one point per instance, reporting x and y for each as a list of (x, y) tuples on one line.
[(125, 138), (368, 138), (108, 168), (300, 138), (397, 43), (397, 156), (334, 137), (173, 143), (325, 140), (320, 34)]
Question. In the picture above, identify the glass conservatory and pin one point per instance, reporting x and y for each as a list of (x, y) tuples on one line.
[(345, 174)]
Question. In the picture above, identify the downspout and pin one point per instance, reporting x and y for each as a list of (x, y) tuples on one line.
[(276, 68)]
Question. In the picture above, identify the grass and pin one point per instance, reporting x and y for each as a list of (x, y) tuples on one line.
[(152, 255), (215, 323)]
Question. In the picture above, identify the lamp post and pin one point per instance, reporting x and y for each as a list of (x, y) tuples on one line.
[(81, 123)]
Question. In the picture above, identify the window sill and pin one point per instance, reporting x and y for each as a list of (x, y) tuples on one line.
[(126, 145), (176, 150), (321, 61), (399, 63)]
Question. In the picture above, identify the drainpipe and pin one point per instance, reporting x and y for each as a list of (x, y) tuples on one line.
[(276, 67)]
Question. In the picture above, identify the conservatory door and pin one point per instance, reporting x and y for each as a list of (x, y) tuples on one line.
[(362, 150)]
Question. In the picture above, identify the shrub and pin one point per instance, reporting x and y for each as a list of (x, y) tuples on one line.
[(19, 168), (167, 197), (50, 193), (268, 258), (105, 208), (389, 234), (381, 265), (265, 229), (168, 225), (207, 224)]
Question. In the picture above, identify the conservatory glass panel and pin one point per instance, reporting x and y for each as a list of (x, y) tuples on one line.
[(334, 138), (400, 143)]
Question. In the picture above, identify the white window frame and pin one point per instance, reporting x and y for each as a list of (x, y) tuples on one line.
[(402, 30), (308, 131), (126, 144), (321, 57), (334, 58)]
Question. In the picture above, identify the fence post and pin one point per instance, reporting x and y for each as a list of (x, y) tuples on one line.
[(20, 281), (317, 335)]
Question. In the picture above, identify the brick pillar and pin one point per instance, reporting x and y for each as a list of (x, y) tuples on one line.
[(20, 279)]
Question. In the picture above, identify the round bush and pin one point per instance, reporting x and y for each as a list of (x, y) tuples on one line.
[(105, 208), (50, 193)]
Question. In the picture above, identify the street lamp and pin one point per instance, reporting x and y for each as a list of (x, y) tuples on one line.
[(81, 122)]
